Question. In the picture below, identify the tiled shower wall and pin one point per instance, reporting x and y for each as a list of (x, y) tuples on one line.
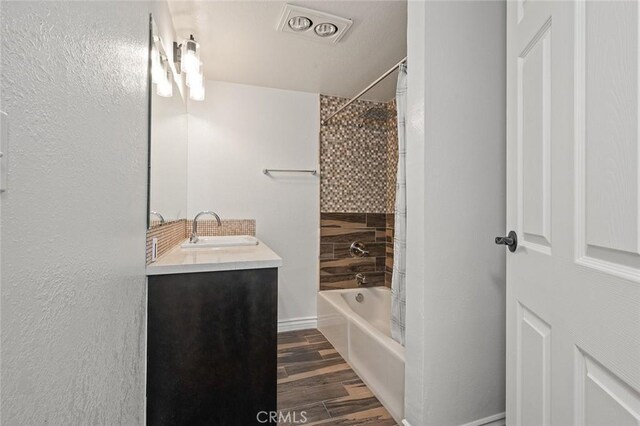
[(339, 230), (358, 159)]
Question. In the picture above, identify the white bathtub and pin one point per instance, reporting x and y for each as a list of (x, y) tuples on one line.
[(361, 333)]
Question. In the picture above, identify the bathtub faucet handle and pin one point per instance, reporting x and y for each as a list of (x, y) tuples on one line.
[(358, 249)]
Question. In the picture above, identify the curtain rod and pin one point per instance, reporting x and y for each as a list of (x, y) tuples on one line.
[(366, 89)]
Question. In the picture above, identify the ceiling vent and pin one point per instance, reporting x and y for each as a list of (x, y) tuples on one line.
[(313, 24)]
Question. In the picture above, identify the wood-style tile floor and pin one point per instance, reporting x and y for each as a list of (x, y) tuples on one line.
[(313, 377)]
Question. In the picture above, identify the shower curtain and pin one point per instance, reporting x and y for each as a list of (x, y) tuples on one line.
[(398, 280)]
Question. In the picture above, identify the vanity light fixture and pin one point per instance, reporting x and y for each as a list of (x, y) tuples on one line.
[(156, 65), (195, 78), (196, 93), (165, 88), (161, 73), (325, 29), (186, 57), (300, 23), (190, 55)]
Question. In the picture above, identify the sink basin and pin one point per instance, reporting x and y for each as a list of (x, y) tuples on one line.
[(226, 241)]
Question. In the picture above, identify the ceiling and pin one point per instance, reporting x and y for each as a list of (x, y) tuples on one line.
[(240, 44)]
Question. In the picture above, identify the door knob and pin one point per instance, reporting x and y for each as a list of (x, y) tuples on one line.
[(510, 241)]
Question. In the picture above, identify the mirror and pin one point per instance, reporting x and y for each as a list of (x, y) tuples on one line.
[(168, 136)]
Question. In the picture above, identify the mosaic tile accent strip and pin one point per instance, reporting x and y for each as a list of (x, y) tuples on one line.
[(208, 228), (169, 235), (173, 233), (354, 157)]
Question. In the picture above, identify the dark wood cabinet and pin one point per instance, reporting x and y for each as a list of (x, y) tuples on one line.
[(212, 347)]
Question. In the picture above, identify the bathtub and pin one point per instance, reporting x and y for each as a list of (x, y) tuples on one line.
[(361, 333)]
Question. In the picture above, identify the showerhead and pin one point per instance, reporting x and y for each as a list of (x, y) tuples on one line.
[(376, 114)]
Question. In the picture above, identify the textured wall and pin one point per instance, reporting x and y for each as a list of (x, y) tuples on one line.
[(455, 193), (73, 221)]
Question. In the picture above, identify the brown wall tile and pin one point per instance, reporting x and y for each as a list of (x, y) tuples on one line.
[(347, 266), (333, 282), (341, 251), (376, 220), (346, 235), (391, 217), (337, 267), (343, 220), (326, 251)]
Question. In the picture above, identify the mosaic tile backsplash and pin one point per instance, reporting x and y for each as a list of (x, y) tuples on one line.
[(172, 233), (358, 158), (168, 234)]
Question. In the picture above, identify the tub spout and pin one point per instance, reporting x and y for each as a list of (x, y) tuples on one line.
[(361, 279)]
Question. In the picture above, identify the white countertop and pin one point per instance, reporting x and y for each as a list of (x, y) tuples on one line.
[(182, 261)]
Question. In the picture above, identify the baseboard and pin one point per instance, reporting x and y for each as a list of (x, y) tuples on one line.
[(495, 420), (297, 324)]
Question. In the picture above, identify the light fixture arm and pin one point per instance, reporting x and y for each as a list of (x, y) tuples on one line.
[(177, 56)]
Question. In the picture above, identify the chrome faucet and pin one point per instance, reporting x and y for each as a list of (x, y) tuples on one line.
[(361, 280), (159, 216), (194, 230)]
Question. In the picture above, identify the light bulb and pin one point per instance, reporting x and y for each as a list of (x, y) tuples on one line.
[(190, 56), (165, 88), (197, 92), (325, 29), (300, 23), (194, 79), (156, 65)]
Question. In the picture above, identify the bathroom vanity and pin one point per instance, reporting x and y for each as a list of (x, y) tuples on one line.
[(212, 335)]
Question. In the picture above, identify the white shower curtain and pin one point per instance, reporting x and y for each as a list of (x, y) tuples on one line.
[(398, 280)]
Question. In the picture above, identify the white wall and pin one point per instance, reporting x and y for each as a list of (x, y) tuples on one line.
[(73, 221), (416, 205), (235, 133), (456, 201)]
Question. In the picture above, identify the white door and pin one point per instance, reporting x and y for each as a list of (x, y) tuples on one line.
[(573, 195)]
